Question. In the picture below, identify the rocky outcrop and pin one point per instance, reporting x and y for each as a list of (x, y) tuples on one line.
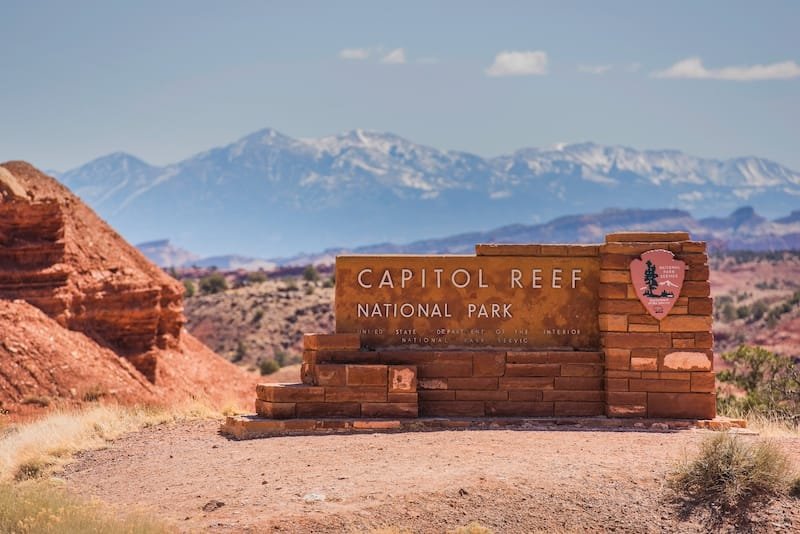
[(96, 292)]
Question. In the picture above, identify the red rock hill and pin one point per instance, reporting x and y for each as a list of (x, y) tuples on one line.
[(111, 322)]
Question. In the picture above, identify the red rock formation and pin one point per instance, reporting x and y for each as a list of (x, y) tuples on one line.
[(59, 256)]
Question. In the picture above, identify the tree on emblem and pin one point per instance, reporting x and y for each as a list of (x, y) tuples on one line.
[(650, 279)]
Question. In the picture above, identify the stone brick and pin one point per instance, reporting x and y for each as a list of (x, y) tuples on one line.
[(671, 386), (619, 277), (553, 250), (307, 374), (693, 259), (275, 410), (665, 376), (642, 319), (581, 369), (626, 410), (701, 306), (703, 382), (694, 246), (583, 250), (355, 394), (389, 409), (436, 395), (697, 272), (614, 261), (643, 328), (613, 291), (578, 409), (328, 409), (445, 368), (632, 340), (472, 383), (644, 364), (525, 382), (613, 323), (621, 307), (683, 343), (563, 356), (402, 378), (686, 361), (626, 397), (377, 425), (653, 237), (616, 384), (519, 409), (481, 395), (693, 288), (580, 383), (332, 341), (533, 369), (452, 408), (432, 383), (572, 396), (635, 249), (489, 364), (704, 340), (644, 352), (351, 356), (367, 375), (401, 397), (500, 249), (618, 359), (289, 393), (682, 405), (526, 394), (613, 373), (331, 374), (686, 323)]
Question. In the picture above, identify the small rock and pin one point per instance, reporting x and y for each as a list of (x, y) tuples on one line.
[(463, 492), (313, 497), (212, 505)]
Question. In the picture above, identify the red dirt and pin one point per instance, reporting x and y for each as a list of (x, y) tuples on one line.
[(109, 323)]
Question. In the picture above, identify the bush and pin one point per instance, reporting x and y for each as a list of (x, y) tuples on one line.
[(794, 489), (213, 283), (310, 274), (267, 367), (240, 353), (729, 476), (256, 277), (258, 315), (188, 287), (770, 383), (330, 282)]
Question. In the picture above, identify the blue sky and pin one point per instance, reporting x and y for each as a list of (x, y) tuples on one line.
[(164, 80)]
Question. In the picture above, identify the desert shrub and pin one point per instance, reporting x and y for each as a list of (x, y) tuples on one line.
[(757, 310), (329, 282), (743, 312), (309, 290), (188, 288), (45, 508), (310, 274), (256, 277), (94, 393), (729, 476), (213, 283), (258, 315), (291, 285), (267, 367), (728, 313), (770, 383), (794, 489), (280, 357), (240, 353)]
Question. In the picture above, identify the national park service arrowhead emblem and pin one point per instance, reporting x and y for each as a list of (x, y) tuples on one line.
[(658, 279)]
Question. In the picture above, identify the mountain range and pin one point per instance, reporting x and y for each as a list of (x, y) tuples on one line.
[(270, 195), (743, 229)]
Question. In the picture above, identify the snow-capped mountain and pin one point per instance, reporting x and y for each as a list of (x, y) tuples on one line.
[(271, 195)]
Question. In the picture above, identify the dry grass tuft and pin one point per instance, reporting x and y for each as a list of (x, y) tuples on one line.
[(43, 508), (729, 476), (36, 449)]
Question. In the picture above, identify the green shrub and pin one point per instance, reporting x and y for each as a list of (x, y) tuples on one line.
[(240, 352), (729, 476), (770, 383), (213, 283), (188, 287), (310, 274), (267, 367), (256, 277), (328, 283)]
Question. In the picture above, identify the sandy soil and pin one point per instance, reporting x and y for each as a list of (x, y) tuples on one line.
[(510, 481)]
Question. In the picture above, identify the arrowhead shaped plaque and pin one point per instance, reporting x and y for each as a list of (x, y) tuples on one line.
[(658, 279)]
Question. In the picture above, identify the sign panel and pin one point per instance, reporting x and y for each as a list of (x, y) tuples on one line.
[(469, 301), (658, 279)]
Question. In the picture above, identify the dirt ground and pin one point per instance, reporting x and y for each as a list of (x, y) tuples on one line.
[(510, 481)]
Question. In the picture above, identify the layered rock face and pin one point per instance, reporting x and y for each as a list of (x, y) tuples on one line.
[(107, 319), (59, 256)]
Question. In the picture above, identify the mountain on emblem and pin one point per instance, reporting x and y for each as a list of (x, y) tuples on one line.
[(658, 277)]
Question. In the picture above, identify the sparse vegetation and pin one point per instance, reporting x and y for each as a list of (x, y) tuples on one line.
[(43, 507), (94, 393), (310, 274), (256, 277), (213, 283), (769, 384), (267, 367), (37, 400), (729, 476), (188, 287), (240, 353)]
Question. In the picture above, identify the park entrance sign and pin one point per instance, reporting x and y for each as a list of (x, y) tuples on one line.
[(620, 329)]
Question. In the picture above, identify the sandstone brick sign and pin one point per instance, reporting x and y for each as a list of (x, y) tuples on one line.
[(437, 302), (614, 330)]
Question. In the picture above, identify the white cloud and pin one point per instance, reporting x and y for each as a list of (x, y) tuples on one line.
[(519, 63), (396, 56), (693, 68), (692, 196), (633, 67), (594, 69), (354, 53)]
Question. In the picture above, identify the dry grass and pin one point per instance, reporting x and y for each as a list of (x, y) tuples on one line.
[(472, 528), (38, 448), (43, 508), (768, 426), (730, 476)]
